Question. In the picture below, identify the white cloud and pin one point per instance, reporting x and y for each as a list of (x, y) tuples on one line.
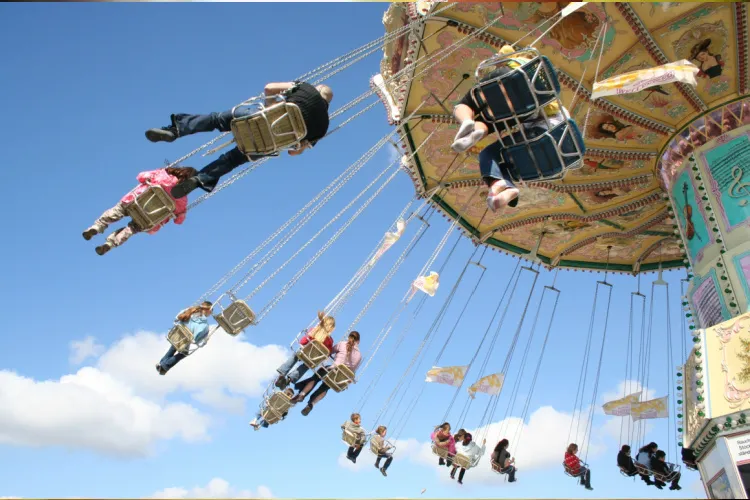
[(92, 410), (216, 488), (119, 405), (81, 350)]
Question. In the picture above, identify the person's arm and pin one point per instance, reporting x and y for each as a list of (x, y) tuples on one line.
[(277, 88), (146, 176), (300, 149)]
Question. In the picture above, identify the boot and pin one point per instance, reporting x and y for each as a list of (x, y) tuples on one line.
[(102, 249), (90, 233), (185, 187), (163, 134)]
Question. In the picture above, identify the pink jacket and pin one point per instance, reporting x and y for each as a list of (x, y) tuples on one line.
[(451, 442), (158, 178), (340, 356)]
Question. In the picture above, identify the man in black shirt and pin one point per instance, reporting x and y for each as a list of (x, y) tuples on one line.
[(312, 101)]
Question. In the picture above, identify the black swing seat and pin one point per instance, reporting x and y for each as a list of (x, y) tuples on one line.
[(181, 338), (313, 354), (547, 156), (151, 208), (275, 407), (505, 93), (339, 377), (269, 130), (235, 318)]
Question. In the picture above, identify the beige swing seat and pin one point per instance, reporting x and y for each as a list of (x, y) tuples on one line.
[(275, 407), (269, 130), (465, 462), (181, 338), (235, 318), (339, 377), (151, 208), (353, 439), (441, 452), (313, 354), (387, 445)]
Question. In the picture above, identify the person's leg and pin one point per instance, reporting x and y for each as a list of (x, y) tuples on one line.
[(282, 381), (304, 387), (350, 452), (357, 451), (453, 472), (209, 176), (587, 478), (110, 216), (676, 482), (441, 461), (461, 476), (183, 124), (297, 373), (117, 238), (170, 359), (377, 460), (511, 472), (315, 398), (388, 462)]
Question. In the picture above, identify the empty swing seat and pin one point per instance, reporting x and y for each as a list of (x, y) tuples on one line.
[(339, 377), (277, 127), (235, 318), (151, 208), (276, 406), (313, 354), (547, 156), (518, 92), (181, 338)]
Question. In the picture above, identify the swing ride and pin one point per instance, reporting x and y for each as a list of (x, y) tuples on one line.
[(624, 181)]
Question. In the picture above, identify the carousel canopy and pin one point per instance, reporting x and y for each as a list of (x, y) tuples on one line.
[(614, 204)]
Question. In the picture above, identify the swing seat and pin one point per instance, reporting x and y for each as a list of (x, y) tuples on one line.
[(151, 208), (519, 92), (338, 378), (387, 445), (667, 478), (235, 318), (498, 468), (441, 452), (181, 338), (642, 469), (465, 462), (271, 129), (313, 354), (691, 465), (569, 471), (351, 438), (547, 156), (276, 406)]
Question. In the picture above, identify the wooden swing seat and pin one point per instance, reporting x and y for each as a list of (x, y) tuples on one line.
[(235, 318), (313, 354), (181, 338), (441, 452), (353, 439), (276, 406), (387, 445), (271, 129), (151, 208), (339, 377)]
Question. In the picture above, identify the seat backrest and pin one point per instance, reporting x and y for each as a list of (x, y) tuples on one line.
[(339, 377), (280, 401), (236, 317), (441, 452), (180, 337), (151, 208), (462, 461), (278, 127), (313, 354)]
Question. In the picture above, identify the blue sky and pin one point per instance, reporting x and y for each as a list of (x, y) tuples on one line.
[(82, 83)]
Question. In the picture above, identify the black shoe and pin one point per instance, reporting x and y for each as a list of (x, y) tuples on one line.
[(589, 488), (460, 482), (511, 480), (185, 187), (675, 487), (282, 381), (101, 250), (306, 410), (163, 134), (352, 459), (441, 462), (660, 486), (382, 471), (89, 233)]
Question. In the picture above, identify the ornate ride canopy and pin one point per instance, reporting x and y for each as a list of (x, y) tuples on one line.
[(616, 199)]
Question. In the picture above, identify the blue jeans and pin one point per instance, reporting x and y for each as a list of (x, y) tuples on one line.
[(259, 420), (492, 164), (187, 124), (171, 358), (286, 367)]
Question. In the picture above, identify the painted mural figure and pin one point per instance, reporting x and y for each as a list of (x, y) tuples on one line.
[(710, 64), (312, 101)]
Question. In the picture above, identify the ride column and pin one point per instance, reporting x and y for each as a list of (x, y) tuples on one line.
[(710, 200)]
